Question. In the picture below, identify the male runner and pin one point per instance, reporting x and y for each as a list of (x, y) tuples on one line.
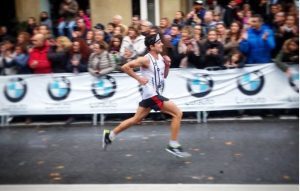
[(154, 69)]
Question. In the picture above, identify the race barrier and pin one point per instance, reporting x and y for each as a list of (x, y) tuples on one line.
[(252, 87)]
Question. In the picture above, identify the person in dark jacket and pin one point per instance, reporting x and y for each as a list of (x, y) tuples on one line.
[(212, 51), (58, 54), (78, 57), (257, 42), (230, 13)]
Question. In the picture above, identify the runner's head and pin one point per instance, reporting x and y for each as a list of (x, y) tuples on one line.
[(153, 42)]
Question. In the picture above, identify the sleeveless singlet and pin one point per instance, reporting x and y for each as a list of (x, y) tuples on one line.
[(155, 75)]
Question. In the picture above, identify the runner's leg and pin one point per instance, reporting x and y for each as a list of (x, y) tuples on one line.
[(170, 108), (140, 114)]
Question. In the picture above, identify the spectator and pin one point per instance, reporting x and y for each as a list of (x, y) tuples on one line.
[(197, 32), (289, 54), (135, 41), (80, 29), (101, 27), (31, 24), (110, 27), (7, 57), (114, 50), (89, 39), (99, 63), (270, 17), (179, 19), (164, 26), (221, 32), (257, 42), (77, 61), (230, 13), (68, 10), (235, 60), (45, 20), (136, 22), (208, 23), (198, 9), (216, 8), (290, 28), (21, 59), (188, 50), (99, 36), (278, 22), (175, 36), (38, 59), (86, 19), (117, 20), (58, 54), (145, 27), (212, 51), (44, 30), (115, 43), (3, 33), (246, 19), (217, 17), (23, 38), (128, 55), (262, 9), (119, 30), (233, 37)]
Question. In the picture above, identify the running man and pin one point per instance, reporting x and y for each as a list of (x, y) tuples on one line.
[(154, 69)]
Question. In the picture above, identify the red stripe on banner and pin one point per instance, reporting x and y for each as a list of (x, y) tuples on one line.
[(157, 101)]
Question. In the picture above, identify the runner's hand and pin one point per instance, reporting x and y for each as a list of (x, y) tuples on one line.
[(142, 80)]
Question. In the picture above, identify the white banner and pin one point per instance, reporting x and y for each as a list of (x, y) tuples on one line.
[(259, 86)]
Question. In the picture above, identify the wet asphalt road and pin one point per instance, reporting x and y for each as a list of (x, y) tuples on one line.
[(225, 152)]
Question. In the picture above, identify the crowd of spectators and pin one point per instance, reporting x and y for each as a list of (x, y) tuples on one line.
[(221, 34), (213, 34)]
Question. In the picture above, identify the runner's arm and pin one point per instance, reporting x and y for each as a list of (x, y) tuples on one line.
[(128, 69)]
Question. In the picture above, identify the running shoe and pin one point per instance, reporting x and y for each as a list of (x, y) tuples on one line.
[(105, 139), (178, 151)]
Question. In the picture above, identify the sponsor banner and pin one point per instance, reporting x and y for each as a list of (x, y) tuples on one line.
[(256, 86)]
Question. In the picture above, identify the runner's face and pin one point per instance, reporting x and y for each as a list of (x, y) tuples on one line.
[(158, 46)]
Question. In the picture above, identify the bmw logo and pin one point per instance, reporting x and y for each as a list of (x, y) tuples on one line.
[(251, 83), (104, 87), (59, 88), (15, 89), (294, 81), (200, 86)]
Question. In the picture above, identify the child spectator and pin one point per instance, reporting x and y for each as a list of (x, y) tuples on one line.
[(235, 60)]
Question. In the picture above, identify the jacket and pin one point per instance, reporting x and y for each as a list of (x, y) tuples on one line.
[(137, 45), (255, 48), (44, 65), (100, 64)]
